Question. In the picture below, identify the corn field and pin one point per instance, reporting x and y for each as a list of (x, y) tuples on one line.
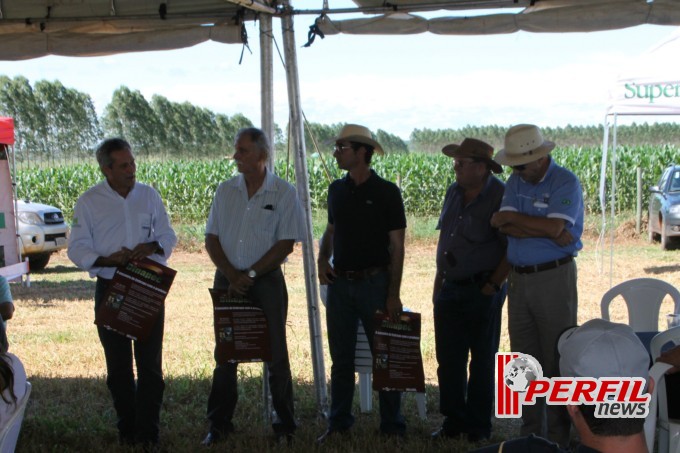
[(187, 186)]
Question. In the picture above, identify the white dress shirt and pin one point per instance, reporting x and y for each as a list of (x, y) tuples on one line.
[(247, 229), (104, 222)]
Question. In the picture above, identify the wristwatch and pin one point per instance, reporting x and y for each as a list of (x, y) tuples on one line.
[(252, 273)]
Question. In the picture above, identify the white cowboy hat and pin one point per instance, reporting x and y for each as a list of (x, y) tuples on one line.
[(524, 143), (359, 134)]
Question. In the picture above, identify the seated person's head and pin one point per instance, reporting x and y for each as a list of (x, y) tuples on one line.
[(600, 349)]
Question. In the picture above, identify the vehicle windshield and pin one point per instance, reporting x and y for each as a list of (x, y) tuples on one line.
[(675, 181)]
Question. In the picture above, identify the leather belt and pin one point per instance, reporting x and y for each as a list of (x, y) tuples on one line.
[(362, 274), (543, 266), (477, 278)]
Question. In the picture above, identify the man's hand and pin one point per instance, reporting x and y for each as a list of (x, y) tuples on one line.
[(119, 258), (565, 238), (143, 250), (393, 307), (498, 219), (239, 283), (326, 272)]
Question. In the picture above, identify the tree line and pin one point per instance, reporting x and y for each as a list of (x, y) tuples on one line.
[(56, 123)]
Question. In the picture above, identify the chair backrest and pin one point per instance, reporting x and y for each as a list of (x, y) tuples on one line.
[(643, 297), (656, 373), (10, 433), (661, 339)]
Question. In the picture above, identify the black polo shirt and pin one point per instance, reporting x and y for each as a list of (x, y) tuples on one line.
[(363, 216)]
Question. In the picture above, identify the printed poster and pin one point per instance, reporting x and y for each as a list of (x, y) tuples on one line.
[(241, 330), (397, 361), (135, 298)]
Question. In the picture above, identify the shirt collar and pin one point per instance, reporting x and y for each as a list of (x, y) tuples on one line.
[(371, 179), (268, 185)]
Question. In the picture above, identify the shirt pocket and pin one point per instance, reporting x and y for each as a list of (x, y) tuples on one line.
[(478, 230), (145, 227), (266, 223)]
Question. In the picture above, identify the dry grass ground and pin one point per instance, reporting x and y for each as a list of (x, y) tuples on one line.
[(70, 409)]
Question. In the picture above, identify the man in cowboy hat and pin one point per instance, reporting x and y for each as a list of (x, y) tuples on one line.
[(542, 214), (365, 238), (469, 291)]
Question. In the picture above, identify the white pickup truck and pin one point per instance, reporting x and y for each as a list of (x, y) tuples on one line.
[(42, 231)]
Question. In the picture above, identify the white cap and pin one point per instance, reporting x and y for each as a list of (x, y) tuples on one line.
[(602, 348)]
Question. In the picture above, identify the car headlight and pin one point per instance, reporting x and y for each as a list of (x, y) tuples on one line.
[(674, 209), (31, 218)]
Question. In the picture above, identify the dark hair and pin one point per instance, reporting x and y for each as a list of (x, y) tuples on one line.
[(109, 146), (6, 378), (369, 150), (610, 427), (257, 136)]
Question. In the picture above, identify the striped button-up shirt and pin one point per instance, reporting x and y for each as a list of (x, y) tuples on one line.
[(248, 228)]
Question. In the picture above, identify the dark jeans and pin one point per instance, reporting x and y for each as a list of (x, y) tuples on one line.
[(466, 321), (348, 301), (270, 294), (138, 406)]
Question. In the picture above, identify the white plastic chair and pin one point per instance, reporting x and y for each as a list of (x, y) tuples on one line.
[(363, 364), (643, 297), (10, 433), (669, 429)]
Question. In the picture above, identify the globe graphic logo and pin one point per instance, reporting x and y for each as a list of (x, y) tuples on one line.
[(521, 371)]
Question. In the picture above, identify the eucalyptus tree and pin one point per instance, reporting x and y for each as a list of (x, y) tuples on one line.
[(129, 115)]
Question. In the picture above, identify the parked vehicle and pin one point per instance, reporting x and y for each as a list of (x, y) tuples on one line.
[(664, 208), (42, 231)]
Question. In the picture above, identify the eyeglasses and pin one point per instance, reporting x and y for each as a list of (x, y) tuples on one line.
[(464, 163), (340, 148), (519, 167)]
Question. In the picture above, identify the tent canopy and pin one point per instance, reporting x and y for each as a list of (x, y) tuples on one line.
[(650, 85), (540, 16), (35, 28)]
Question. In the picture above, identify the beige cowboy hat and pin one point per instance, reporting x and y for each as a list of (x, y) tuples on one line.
[(475, 149), (358, 134), (524, 143)]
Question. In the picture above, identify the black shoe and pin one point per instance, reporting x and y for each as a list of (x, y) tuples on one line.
[(212, 438), (443, 433), (331, 433)]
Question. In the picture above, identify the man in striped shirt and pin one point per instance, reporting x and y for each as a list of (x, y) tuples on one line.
[(255, 219)]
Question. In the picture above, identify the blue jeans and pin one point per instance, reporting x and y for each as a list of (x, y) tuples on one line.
[(138, 407), (348, 302), (466, 321)]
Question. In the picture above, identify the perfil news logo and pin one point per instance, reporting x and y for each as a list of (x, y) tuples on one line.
[(520, 381)]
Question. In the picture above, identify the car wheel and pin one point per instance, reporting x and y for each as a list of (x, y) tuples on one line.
[(666, 243), (650, 231), (39, 261)]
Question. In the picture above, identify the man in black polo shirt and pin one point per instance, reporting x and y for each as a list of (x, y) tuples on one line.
[(469, 291), (365, 237)]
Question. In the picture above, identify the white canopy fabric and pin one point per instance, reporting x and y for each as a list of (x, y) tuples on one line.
[(651, 84), (648, 85), (35, 28), (545, 16)]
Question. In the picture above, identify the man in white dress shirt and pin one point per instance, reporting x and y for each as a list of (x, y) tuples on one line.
[(115, 221), (254, 221)]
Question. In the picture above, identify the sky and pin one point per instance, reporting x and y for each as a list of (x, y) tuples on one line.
[(384, 82)]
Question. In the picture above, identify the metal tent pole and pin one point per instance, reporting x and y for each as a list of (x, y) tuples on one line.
[(267, 124), (603, 196), (298, 146), (267, 83), (613, 202)]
